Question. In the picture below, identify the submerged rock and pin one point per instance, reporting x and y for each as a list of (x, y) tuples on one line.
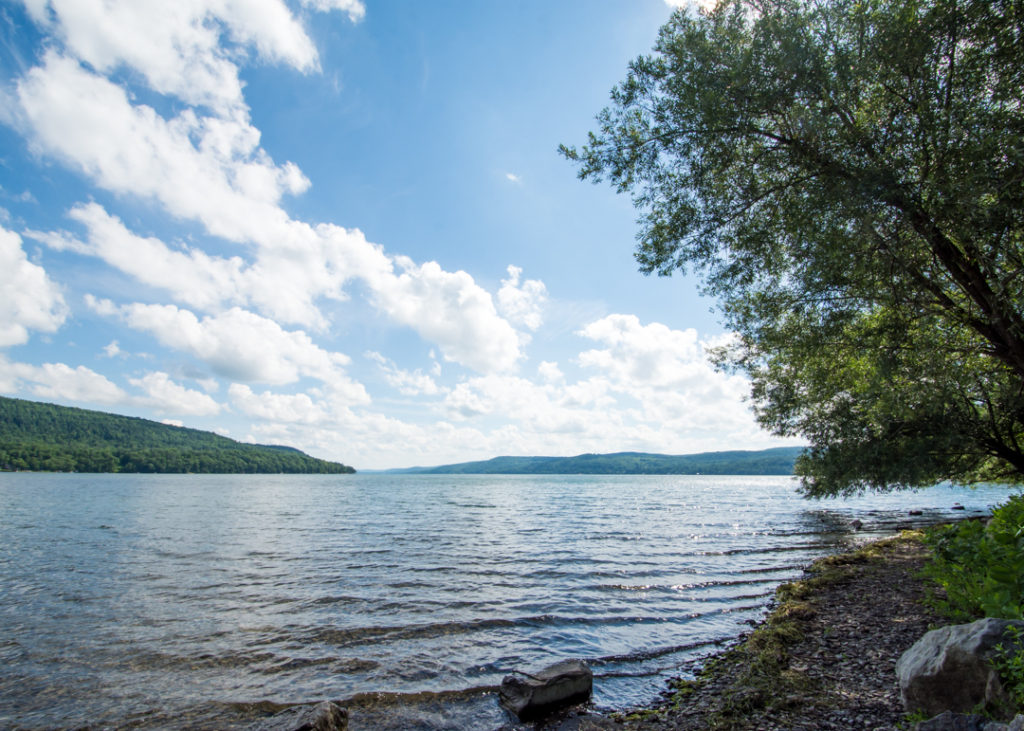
[(949, 668), (325, 716), (533, 696)]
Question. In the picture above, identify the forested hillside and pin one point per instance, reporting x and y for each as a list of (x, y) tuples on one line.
[(778, 461), (47, 437)]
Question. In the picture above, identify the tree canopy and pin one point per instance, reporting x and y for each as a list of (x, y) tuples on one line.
[(848, 178)]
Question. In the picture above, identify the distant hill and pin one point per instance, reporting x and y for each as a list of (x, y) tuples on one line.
[(776, 461), (51, 438)]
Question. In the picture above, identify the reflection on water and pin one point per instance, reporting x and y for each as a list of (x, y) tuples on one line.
[(175, 600)]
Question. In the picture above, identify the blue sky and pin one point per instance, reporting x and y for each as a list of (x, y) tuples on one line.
[(341, 225)]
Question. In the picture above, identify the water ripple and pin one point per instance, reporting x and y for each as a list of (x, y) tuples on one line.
[(209, 601)]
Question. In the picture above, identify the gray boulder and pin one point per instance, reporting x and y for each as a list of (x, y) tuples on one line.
[(950, 721), (534, 696), (325, 716), (949, 669)]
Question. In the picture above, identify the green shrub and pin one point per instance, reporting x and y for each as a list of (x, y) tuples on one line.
[(980, 566), (1009, 663)]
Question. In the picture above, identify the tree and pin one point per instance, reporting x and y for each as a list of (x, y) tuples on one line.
[(848, 177)]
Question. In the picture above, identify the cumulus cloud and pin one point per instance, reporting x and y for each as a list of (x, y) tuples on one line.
[(450, 310), (550, 371), (522, 303), (29, 299), (276, 407), (211, 169), (236, 344), (166, 396), (701, 5), (410, 383), (649, 355), (668, 372), (648, 386), (179, 47), (355, 9), (232, 187), (190, 275), (541, 408), (203, 168), (60, 382)]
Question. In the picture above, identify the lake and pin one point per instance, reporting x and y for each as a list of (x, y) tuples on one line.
[(205, 600)]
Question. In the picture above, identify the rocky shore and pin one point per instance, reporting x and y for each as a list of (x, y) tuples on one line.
[(825, 657)]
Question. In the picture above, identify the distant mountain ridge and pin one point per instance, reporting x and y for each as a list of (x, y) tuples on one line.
[(774, 461), (51, 438)]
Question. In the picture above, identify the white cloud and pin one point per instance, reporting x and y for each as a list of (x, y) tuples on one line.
[(668, 373), (190, 275), (513, 178), (237, 344), (522, 304), (542, 408), (179, 47), (282, 283), (410, 383), (166, 396), (702, 5), (60, 382), (450, 310), (212, 170), (355, 9), (651, 389), (202, 168), (550, 371), (651, 355), (274, 407), (29, 299)]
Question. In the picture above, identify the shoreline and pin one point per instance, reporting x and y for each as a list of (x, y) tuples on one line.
[(823, 658)]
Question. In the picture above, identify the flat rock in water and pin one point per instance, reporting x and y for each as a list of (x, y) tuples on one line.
[(561, 684), (948, 669), (325, 716)]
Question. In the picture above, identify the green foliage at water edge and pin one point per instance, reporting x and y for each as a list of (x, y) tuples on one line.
[(1009, 663), (51, 438), (980, 565)]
